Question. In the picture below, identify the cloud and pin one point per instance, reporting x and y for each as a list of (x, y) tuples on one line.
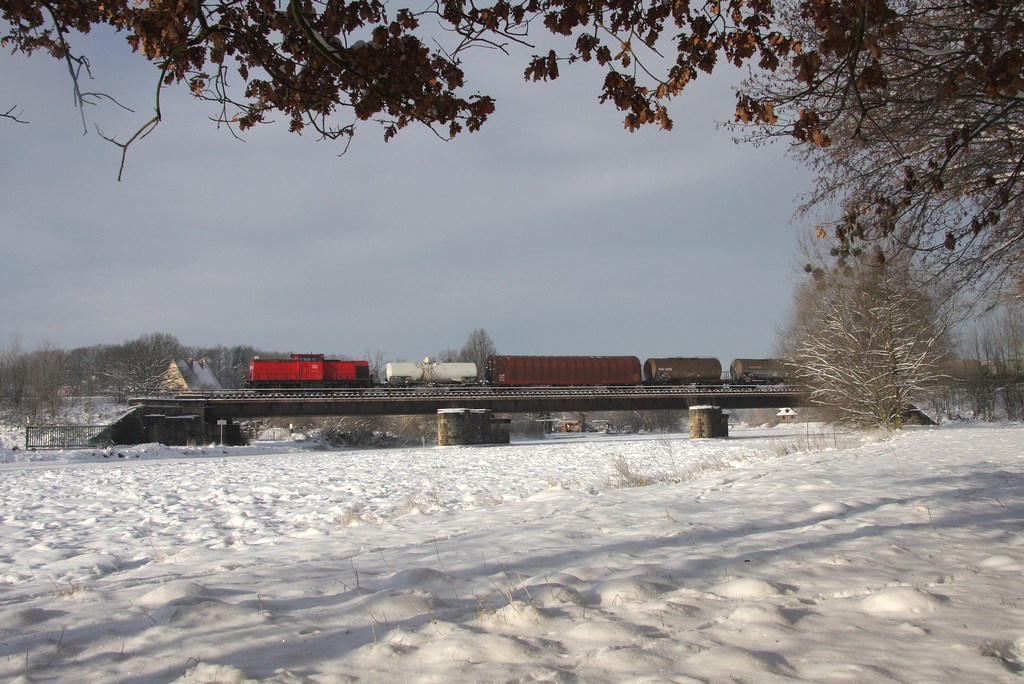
[(552, 228)]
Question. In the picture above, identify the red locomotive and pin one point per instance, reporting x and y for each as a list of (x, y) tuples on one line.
[(308, 370)]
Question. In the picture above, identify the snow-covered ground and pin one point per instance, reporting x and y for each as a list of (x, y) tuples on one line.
[(747, 561)]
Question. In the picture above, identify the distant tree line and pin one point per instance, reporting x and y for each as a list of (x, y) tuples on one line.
[(33, 383), (989, 381)]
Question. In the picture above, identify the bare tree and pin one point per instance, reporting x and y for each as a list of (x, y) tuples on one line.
[(414, 429), (33, 382), (478, 347), (866, 341), (447, 355), (46, 380), (1009, 362), (13, 372), (629, 422), (992, 382), (138, 366), (82, 367), (669, 420), (378, 364)]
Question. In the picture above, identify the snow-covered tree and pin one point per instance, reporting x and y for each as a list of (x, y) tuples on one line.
[(867, 340)]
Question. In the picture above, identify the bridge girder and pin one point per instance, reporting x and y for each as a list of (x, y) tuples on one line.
[(240, 406)]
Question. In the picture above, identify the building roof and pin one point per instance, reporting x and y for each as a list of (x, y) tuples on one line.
[(192, 374)]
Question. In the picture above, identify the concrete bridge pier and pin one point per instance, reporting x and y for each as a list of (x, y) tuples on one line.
[(708, 422), (470, 426)]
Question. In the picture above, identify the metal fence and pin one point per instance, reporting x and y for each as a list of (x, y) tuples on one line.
[(67, 436)]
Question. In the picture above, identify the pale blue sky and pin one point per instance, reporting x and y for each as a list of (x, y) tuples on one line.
[(552, 228)]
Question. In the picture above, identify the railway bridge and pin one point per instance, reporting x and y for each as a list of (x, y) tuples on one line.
[(215, 415)]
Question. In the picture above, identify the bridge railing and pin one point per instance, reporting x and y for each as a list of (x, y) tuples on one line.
[(67, 436)]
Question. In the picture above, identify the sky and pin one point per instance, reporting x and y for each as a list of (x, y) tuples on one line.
[(788, 554), (553, 228)]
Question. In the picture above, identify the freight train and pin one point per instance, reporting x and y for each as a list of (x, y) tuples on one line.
[(317, 371)]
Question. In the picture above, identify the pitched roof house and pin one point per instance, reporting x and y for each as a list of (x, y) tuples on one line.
[(786, 415), (189, 375)]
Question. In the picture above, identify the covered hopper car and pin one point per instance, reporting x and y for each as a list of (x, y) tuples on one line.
[(565, 371), (308, 370)]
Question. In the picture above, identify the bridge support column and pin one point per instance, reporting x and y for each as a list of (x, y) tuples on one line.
[(708, 421), (470, 426)]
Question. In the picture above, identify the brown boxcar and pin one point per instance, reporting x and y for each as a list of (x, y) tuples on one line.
[(563, 370), (759, 371), (683, 371)]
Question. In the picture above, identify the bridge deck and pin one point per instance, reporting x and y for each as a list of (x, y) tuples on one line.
[(428, 400)]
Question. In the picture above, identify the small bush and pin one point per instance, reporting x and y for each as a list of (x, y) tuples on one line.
[(629, 475)]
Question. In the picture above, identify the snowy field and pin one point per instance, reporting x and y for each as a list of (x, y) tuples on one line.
[(773, 556)]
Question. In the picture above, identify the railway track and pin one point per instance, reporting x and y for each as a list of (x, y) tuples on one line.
[(457, 392), (233, 405)]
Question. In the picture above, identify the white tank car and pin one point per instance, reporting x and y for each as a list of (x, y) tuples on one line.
[(430, 373)]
